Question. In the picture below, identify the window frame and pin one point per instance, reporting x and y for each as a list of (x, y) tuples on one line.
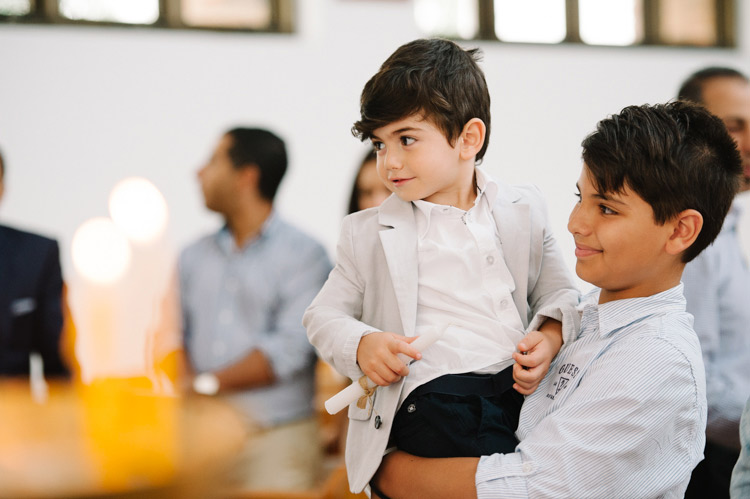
[(725, 26), (47, 12)]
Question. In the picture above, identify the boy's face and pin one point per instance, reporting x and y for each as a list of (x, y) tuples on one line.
[(619, 246), (415, 160)]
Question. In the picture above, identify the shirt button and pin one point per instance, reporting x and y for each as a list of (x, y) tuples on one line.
[(411, 408), (378, 422), (490, 259), (528, 467)]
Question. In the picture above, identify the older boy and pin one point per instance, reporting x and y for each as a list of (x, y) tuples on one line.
[(451, 247), (622, 411)]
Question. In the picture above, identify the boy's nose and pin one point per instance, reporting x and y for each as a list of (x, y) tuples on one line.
[(391, 160), (576, 222)]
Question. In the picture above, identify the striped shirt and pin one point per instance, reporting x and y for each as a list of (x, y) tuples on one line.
[(621, 412), (235, 300), (717, 286)]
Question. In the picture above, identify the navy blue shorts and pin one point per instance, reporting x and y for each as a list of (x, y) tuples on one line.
[(459, 415)]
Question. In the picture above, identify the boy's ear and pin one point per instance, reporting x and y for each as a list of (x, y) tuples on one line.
[(687, 225), (471, 140)]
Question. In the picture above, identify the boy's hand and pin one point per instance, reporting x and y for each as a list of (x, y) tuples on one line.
[(535, 353), (377, 356)]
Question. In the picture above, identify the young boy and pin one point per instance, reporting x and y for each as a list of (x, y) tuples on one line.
[(452, 247), (622, 412)]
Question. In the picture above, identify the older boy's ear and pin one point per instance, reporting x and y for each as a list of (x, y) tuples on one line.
[(471, 140), (687, 225)]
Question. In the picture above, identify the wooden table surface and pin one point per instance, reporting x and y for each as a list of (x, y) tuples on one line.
[(113, 440)]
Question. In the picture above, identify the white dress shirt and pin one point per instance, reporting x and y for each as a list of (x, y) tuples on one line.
[(463, 282)]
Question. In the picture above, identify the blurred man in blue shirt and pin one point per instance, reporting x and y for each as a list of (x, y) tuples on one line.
[(244, 290)]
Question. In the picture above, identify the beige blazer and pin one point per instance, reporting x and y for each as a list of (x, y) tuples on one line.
[(374, 287)]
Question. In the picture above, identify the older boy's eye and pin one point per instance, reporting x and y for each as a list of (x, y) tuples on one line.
[(578, 195), (607, 210), (407, 140), (378, 146)]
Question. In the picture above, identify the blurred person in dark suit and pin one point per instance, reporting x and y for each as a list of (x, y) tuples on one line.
[(31, 300)]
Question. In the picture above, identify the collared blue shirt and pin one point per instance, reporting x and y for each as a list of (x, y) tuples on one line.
[(621, 412), (235, 300), (717, 289)]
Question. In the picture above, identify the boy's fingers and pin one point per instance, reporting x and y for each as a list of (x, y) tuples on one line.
[(404, 347), (397, 366), (531, 340), (528, 361), (522, 375), (523, 391)]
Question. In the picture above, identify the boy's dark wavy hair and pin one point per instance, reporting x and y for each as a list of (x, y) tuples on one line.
[(434, 78), (676, 156)]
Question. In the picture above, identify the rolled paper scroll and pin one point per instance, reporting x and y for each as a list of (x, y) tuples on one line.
[(356, 390)]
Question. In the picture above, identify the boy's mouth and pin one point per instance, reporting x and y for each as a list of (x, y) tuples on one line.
[(400, 181), (582, 251)]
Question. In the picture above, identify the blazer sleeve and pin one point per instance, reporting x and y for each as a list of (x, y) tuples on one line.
[(332, 319), (552, 291), (49, 331)]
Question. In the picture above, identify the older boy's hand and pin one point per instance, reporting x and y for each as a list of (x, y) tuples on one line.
[(535, 353), (377, 356)]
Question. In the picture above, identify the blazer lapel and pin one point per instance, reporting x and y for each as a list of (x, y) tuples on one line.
[(513, 226), (400, 248)]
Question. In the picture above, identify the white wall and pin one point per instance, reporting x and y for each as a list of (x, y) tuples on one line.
[(83, 107)]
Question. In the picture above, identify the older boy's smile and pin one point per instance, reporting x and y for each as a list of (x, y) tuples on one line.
[(619, 246), (582, 251)]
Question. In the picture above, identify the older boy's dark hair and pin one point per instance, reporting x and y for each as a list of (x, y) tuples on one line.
[(692, 87), (432, 77), (263, 149), (676, 156)]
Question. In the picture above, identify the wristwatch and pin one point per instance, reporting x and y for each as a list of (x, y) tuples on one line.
[(206, 384)]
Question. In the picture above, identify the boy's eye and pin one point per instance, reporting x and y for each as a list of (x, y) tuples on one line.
[(407, 140), (607, 210), (378, 146), (578, 195)]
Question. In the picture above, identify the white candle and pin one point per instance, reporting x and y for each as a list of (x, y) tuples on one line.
[(354, 391)]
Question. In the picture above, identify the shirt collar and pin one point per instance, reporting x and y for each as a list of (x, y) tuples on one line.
[(615, 315), (225, 239)]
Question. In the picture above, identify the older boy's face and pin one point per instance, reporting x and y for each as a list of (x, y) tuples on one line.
[(729, 99), (415, 160), (619, 246)]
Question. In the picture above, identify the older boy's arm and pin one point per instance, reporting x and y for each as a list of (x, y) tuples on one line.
[(535, 353), (402, 475)]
